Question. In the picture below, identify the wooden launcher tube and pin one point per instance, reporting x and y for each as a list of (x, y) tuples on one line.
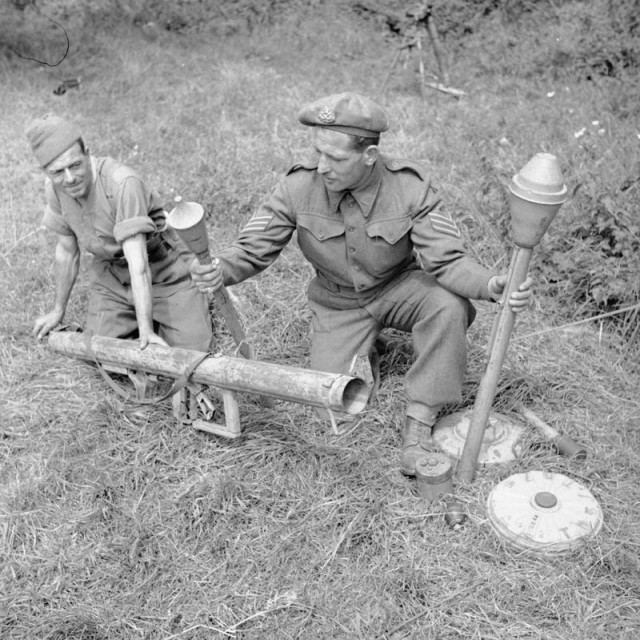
[(339, 392), (486, 393)]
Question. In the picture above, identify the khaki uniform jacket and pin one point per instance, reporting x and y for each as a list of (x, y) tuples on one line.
[(358, 241)]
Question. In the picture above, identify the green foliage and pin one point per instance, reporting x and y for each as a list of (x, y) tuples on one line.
[(225, 16), (458, 18), (27, 32), (554, 39), (38, 30), (185, 16), (598, 38), (596, 261)]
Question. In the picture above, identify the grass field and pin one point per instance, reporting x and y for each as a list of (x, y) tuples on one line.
[(115, 523)]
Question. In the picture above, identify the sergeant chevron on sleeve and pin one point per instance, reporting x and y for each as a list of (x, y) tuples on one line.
[(385, 254)]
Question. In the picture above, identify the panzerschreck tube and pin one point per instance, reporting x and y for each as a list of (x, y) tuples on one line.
[(338, 392)]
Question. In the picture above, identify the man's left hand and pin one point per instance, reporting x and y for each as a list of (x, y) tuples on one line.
[(519, 300)]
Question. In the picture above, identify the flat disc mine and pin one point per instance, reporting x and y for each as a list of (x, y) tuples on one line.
[(545, 512), (499, 444)]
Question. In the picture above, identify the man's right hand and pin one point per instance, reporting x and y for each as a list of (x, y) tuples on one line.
[(44, 324), (207, 277)]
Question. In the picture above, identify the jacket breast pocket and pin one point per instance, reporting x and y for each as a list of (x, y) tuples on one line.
[(320, 227), (390, 230), (321, 240), (389, 244)]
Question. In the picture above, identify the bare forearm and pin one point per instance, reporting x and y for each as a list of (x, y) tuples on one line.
[(135, 251), (141, 289), (67, 260), (66, 271)]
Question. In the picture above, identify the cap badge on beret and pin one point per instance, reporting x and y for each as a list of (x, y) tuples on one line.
[(326, 116)]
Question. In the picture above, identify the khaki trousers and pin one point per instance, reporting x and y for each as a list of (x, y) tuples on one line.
[(345, 325), (180, 311)]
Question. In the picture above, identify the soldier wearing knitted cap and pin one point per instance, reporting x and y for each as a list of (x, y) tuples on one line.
[(385, 255), (140, 277)]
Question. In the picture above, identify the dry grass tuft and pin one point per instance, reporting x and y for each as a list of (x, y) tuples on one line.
[(117, 523)]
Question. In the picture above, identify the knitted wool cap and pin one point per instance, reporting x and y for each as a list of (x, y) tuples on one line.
[(346, 112), (50, 136)]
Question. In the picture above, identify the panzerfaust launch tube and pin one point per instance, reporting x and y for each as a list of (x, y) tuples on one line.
[(338, 392), (536, 194), (187, 220), (488, 385)]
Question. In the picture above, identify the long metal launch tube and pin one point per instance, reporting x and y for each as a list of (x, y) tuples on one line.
[(338, 392)]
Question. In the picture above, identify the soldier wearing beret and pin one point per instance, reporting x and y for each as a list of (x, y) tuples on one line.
[(140, 282), (385, 255)]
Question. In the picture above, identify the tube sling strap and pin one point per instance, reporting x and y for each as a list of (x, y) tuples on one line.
[(178, 384)]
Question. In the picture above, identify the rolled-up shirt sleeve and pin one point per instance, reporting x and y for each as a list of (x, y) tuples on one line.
[(133, 204)]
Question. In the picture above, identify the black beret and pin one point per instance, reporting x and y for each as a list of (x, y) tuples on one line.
[(346, 112)]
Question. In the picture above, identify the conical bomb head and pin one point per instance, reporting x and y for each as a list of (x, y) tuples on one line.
[(188, 221), (537, 191)]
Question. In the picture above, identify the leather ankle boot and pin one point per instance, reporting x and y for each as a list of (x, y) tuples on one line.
[(416, 442)]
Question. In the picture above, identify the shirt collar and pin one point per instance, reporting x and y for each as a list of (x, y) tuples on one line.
[(364, 193)]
